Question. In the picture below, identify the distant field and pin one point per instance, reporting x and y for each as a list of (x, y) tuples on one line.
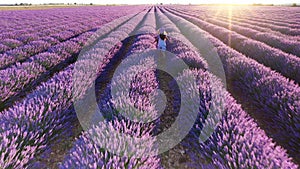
[(244, 101), (36, 7)]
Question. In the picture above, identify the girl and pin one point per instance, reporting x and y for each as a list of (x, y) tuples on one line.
[(162, 45), (161, 40)]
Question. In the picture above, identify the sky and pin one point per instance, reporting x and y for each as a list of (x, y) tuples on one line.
[(150, 1)]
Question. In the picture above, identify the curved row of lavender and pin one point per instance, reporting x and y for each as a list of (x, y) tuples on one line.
[(256, 16), (273, 96), (22, 74), (287, 64), (89, 149), (28, 126), (286, 45), (237, 141), (58, 30)]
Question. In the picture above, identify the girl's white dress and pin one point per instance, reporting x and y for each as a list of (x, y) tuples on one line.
[(161, 44)]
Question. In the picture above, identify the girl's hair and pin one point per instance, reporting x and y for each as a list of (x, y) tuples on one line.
[(162, 36)]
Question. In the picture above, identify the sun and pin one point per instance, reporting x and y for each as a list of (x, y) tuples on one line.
[(236, 1)]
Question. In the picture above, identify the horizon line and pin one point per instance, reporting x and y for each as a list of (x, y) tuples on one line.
[(75, 3)]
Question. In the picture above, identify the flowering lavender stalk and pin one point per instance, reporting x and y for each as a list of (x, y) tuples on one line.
[(3, 48), (11, 43), (15, 78)]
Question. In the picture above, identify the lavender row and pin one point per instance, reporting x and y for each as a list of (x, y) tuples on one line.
[(88, 152), (244, 15), (149, 24), (22, 74), (265, 15), (253, 24), (242, 23), (61, 20), (31, 123), (96, 147), (237, 141), (275, 101), (36, 120), (272, 19), (91, 55), (141, 88), (279, 100), (234, 21), (290, 29), (23, 52), (40, 116), (255, 32), (59, 29), (286, 45), (287, 65), (54, 96), (31, 49)]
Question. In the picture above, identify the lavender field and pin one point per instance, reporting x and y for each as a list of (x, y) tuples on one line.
[(236, 103)]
